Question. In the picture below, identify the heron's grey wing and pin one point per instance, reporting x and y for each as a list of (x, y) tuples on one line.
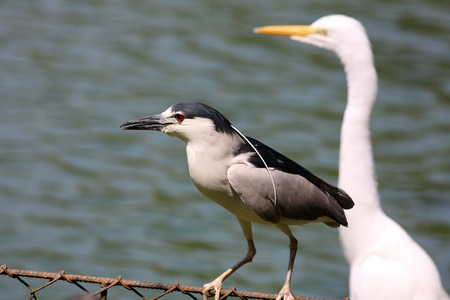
[(299, 199), (296, 198), (254, 187)]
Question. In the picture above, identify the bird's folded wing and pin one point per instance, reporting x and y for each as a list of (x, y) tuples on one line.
[(254, 187), (296, 197)]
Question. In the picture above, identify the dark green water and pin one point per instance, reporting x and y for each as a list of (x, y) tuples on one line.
[(79, 194)]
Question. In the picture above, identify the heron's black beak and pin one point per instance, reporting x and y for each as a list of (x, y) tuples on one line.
[(155, 122)]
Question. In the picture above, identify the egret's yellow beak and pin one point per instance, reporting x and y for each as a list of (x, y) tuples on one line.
[(290, 30)]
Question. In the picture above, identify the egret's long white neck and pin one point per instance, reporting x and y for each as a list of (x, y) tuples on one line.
[(356, 165)]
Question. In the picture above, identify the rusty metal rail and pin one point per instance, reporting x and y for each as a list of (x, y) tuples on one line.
[(131, 285)]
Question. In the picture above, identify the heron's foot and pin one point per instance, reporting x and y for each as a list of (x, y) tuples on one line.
[(215, 285), (285, 293)]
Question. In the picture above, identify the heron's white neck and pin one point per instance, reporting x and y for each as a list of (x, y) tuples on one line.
[(356, 165)]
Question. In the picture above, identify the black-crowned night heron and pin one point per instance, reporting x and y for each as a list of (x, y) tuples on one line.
[(385, 262), (251, 180)]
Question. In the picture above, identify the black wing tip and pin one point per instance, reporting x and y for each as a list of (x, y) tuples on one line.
[(344, 200)]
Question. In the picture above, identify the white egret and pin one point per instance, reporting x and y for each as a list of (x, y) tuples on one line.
[(385, 262)]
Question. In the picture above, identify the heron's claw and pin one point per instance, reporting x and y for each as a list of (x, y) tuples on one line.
[(215, 285), (285, 294)]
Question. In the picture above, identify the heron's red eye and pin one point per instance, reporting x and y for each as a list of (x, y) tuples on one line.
[(179, 117)]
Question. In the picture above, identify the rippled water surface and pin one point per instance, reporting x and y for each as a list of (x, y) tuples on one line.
[(79, 194)]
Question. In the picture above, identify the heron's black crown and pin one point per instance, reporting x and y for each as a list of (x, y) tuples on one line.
[(192, 109)]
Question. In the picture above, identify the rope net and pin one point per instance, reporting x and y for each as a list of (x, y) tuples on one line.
[(133, 286)]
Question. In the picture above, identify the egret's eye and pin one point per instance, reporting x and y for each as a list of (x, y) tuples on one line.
[(179, 117)]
